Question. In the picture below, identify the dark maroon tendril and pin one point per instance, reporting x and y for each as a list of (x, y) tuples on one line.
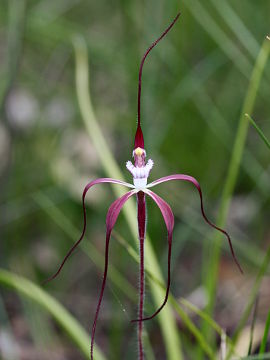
[(168, 218), (111, 218), (139, 142), (220, 230), (87, 187), (75, 245), (192, 180)]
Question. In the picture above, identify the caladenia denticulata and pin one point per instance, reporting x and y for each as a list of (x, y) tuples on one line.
[(140, 170)]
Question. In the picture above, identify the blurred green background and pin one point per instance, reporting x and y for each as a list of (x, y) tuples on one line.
[(194, 85)]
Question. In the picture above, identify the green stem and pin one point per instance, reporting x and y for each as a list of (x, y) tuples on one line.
[(166, 319), (252, 297), (230, 181), (60, 314), (213, 28), (259, 131), (16, 17), (265, 356), (178, 307), (237, 26), (193, 330), (265, 335)]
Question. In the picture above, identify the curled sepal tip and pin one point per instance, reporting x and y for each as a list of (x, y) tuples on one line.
[(86, 189), (192, 180)]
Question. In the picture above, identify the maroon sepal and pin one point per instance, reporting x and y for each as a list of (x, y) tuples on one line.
[(139, 142), (192, 180)]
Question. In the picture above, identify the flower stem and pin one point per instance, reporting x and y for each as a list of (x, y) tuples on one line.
[(140, 323), (259, 131), (141, 229)]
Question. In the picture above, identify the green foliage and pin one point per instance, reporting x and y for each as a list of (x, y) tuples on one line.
[(259, 131), (53, 307), (54, 137)]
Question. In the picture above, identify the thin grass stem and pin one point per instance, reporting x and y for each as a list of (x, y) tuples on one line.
[(177, 307), (230, 181), (253, 294), (73, 233), (265, 356), (220, 37), (16, 22), (237, 26), (254, 317), (265, 335), (52, 306), (259, 131)]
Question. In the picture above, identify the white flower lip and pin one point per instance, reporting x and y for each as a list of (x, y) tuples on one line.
[(140, 174), (140, 183)]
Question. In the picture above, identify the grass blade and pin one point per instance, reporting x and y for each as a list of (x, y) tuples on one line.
[(179, 310), (6, 328), (202, 314), (252, 297), (265, 356), (52, 306), (71, 231), (259, 131), (202, 341), (219, 36), (230, 181), (265, 335), (238, 27), (16, 20), (254, 317)]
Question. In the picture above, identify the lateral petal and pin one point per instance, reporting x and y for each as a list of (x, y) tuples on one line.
[(192, 180), (87, 187)]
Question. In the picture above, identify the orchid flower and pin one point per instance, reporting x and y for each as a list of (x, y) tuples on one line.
[(140, 188)]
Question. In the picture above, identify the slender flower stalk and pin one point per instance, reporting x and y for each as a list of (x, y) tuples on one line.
[(141, 230), (140, 170)]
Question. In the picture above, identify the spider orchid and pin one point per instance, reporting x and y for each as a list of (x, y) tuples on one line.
[(140, 171)]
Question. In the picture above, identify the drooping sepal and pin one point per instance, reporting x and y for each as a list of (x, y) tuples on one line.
[(86, 189), (192, 180)]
